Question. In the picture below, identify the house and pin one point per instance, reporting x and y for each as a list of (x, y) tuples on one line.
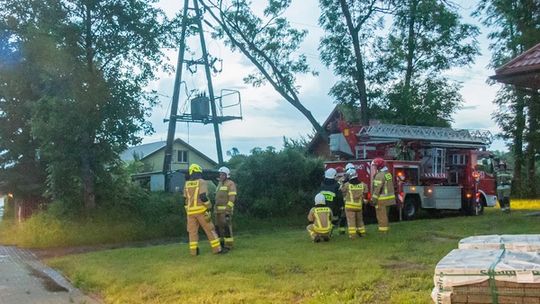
[(152, 156), (522, 71)]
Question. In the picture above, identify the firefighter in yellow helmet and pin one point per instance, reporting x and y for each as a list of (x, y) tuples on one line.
[(198, 208), (353, 193), (225, 199), (320, 217), (383, 194)]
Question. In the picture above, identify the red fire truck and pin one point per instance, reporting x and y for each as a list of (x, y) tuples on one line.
[(435, 168)]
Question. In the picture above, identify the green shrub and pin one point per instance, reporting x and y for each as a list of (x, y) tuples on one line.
[(275, 183)]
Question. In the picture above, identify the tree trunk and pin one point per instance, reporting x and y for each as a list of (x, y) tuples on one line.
[(532, 144), (359, 77), (411, 47), (87, 174), (518, 145)]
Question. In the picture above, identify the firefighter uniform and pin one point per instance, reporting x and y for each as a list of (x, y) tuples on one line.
[(198, 214), (320, 217), (334, 200), (225, 198), (353, 192), (383, 196)]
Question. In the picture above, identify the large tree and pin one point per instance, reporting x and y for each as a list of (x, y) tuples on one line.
[(91, 101), (426, 39), (270, 44), (515, 27), (350, 26)]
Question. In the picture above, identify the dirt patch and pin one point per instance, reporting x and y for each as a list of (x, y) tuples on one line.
[(46, 253)]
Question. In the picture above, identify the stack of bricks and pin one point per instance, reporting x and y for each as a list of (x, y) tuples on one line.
[(507, 293), (501, 269)]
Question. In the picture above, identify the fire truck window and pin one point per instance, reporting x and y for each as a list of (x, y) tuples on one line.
[(485, 164)]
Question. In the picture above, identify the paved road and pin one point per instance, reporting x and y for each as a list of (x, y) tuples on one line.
[(24, 279)]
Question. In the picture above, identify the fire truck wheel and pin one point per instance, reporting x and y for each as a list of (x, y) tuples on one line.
[(410, 207)]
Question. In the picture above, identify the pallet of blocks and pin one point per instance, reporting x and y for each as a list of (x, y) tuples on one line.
[(471, 276), (513, 242)]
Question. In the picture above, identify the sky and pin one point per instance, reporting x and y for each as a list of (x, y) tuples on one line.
[(267, 118)]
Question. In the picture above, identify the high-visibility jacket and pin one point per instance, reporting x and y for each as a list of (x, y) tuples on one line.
[(225, 196), (353, 192), (383, 187), (321, 216), (192, 196), (332, 194)]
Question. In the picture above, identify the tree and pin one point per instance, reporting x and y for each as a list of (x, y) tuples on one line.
[(515, 29), (349, 25), (25, 50), (91, 102), (269, 42), (426, 39)]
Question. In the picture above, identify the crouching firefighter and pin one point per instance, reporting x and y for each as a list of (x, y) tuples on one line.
[(353, 193), (198, 208), (225, 198), (383, 193), (320, 217), (334, 198)]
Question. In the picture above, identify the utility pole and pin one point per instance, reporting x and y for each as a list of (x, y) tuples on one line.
[(207, 63)]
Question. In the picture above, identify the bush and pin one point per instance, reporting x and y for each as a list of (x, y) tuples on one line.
[(274, 183)]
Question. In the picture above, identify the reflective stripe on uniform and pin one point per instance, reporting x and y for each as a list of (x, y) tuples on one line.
[(193, 245), (232, 193), (196, 210), (328, 195), (228, 239), (319, 227), (224, 188), (220, 208), (351, 204), (384, 228), (214, 243), (361, 229), (230, 204), (377, 182), (386, 197)]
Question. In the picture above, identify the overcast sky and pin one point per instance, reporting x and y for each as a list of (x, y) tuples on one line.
[(267, 117)]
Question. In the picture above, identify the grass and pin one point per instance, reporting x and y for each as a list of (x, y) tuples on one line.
[(279, 264)]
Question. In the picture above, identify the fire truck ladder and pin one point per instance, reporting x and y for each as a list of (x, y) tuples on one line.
[(481, 137)]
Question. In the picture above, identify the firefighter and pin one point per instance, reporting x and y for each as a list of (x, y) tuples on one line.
[(353, 192), (320, 217), (198, 208), (225, 198), (334, 198), (382, 193)]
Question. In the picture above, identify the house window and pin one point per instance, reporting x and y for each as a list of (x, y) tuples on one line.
[(182, 156)]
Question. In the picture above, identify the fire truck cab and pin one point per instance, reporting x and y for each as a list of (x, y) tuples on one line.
[(434, 168)]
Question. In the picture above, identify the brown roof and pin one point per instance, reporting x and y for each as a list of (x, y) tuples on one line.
[(523, 71)]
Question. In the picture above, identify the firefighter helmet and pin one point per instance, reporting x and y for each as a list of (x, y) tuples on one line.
[(330, 173), (319, 199), (194, 168), (352, 173), (378, 163), (225, 170), (349, 166)]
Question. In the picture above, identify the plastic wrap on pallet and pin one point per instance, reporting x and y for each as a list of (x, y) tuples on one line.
[(470, 266), (514, 242)]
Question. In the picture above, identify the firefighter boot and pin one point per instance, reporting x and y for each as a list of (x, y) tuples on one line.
[(317, 239)]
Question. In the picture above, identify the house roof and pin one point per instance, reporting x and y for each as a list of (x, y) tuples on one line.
[(522, 71), (146, 150), (317, 136)]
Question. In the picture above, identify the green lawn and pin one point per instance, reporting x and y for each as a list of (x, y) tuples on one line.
[(281, 265)]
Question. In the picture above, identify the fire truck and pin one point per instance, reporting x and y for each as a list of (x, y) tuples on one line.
[(434, 168)]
